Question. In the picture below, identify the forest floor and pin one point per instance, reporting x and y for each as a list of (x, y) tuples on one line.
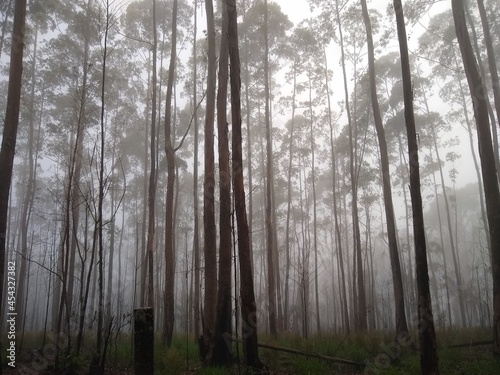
[(375, 350)]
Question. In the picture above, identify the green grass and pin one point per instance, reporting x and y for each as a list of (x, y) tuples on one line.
[(371, 348)]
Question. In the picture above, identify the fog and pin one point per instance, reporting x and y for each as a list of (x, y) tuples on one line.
[(266, 182)]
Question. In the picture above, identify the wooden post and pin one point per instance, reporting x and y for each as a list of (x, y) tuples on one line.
[(144, 341)]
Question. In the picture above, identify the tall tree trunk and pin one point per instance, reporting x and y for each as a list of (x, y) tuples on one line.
[(10, 128), (152, 173), (315, 209), (490, 181), (359, 295), (98, 361), (288, 239), (196, 234), (397, 279), (338, 234), (271, 279), (222, 354), (427, 334), (248, 305), (210, 247), (248, 120), (169, 318), (76, 195), (28, 197)]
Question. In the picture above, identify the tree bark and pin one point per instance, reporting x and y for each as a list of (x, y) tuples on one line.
[(196, 234), (271, 279), (210, 247), (397, 279), (10, 127), (169, 301), (152, 173), (427, 335), (248, 305), (222, 353)]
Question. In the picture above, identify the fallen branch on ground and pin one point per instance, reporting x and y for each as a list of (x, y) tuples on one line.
[(477, 343), (306, 354)]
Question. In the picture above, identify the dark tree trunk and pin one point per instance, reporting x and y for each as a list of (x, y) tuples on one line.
[(10, 128), (222, 354), (397, 279), (169, 301), (152, 173), (271, 279), (248, 305), (209, 227), (427, 334), (196, 235)]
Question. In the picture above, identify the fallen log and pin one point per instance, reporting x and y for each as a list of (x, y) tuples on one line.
[(307, 354), (476, 343)]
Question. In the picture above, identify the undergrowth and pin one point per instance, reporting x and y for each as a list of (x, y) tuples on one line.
[(374, 349)]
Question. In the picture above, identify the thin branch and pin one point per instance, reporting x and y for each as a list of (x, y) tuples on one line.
[(190, 122)]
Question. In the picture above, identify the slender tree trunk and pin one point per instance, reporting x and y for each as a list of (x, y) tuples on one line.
[(248, 305), (10, 128), (427, 335), (210, 247), (271, 280), (98, 361), (152, 173), (288, 239), (28, 197), (397, 279), (169, 301), (490, 180), (334, 167), (315, 209), (222, 353), (248, 120), (196, 234)]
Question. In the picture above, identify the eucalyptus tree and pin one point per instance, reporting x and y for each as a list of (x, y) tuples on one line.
[(427, 336), (314, 80), (169, 300), (222, 353), (270, 224), (351, 35), (397, 280), (196, 224), (10, 126), (209, 226), (267, 42), (453, 91), (486, 89), (490, 180), (34, 114), (248, 305)]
